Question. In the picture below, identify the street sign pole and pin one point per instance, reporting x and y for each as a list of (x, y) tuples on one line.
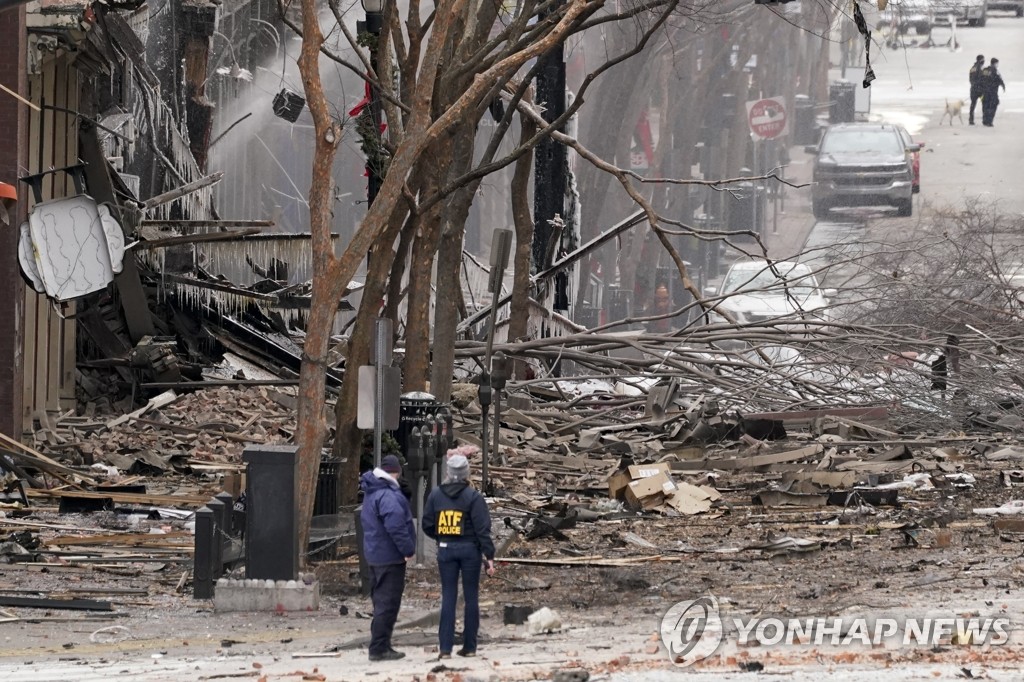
[(501, 247), (767, 121), (757, 190), (381, 358)]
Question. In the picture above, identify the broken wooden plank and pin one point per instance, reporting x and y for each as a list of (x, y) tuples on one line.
[(43, 462), (184, 190), (218, 286), (206, 237), (80, 590), (591, 560), (186, 225), (162, 400), (181, 428), (218, 383), (1008, 525), (517, 417), (899, 465), (22, 523), (879, 413), (873, 431), (751, 462), (133, 539), (45, 603), (128, 498), (779, 498)]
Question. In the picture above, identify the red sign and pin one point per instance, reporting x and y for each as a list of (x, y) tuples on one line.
[(767, 118)]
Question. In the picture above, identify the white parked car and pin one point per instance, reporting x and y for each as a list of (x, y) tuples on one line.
[(970, 12), (754, 292), (907, 14)]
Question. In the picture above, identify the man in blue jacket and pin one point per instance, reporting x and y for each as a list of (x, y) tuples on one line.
[(389, 541), (456, 516)]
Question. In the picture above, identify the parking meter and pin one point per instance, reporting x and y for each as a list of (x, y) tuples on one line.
[(430, 460), (499, 377), (484, 396), (416, 459), (446, 442), (443, 438), (429, 440), (415, 455), (499, 371)]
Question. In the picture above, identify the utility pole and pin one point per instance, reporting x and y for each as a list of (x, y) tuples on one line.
[(374, 23), (549, 171)]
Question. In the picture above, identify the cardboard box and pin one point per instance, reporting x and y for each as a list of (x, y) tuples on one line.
[(646, 470), (648, 492), (617, 484), (692, 499)]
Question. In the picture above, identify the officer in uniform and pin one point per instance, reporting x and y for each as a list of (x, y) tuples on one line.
[(991, 81), (456, 516), (975, 77)]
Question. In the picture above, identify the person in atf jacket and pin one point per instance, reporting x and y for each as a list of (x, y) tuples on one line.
[(389, 541), (456, 516)]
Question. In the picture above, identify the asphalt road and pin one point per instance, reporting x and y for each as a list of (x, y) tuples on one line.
[(959, 162)]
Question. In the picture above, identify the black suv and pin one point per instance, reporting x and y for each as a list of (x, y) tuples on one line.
[(1015, 6), (862, 164)]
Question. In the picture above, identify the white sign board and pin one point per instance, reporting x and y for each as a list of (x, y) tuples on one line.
[(366, 400), (70, 247)]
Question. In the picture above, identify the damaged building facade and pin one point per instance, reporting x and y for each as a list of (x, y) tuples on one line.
[(115, 111)]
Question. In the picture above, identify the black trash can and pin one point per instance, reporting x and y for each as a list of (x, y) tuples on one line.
[(326, 503), (714, 248), (741, 204), (803, 121), (620, 304), (588, 316), (842, 102), (747, 207), (416, 408)]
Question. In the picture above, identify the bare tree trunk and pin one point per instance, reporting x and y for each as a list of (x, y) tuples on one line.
[(347, 436), (331, 275), (615, 94), (449, 262), (395, 279), (521, 216), (311, 427), (417, 327)]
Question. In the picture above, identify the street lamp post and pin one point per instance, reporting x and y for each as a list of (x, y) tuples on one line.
[(374, 23)]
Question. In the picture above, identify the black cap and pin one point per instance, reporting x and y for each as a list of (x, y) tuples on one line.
[(391, 464), (994, 60), (980, 58)]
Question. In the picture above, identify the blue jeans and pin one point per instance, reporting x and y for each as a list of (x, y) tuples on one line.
[(454, 558)]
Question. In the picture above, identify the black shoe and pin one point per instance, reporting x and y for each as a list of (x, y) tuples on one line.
[(466, 654), (443, 655), (970, 123), (389, 655)]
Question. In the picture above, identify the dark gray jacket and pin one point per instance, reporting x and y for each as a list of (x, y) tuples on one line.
[(456, 512)]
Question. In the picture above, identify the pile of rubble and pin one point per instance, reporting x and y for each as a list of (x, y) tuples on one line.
[(203, 431)]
